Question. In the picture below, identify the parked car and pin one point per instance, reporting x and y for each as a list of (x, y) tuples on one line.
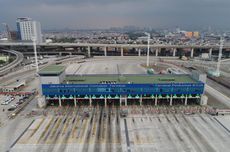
[(4, 103), (11, 109), (19, 102), (14, 106), (12, 98)]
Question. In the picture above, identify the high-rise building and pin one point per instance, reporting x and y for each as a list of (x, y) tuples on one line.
[(28, 28)]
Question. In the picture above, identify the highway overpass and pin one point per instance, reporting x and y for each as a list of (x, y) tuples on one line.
[(87, 47), (111, 45), (16, 62)]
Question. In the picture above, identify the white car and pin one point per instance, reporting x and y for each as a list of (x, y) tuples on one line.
[(5, 102), (14, 106)]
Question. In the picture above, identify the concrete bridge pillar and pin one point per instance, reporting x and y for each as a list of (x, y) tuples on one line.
[(105, 51), (192, 51), (75, 101), (174, 52), (156, 101), (139, 52), (60, 53), (157, 52), (186, 100), (59, 101), (122, 51), (210, 53), (89, 53)]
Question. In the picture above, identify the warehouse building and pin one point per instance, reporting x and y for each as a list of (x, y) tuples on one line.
[(61, 89)]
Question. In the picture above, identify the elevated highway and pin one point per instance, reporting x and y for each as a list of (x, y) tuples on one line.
[(104, 48), (16, 62), (111, 45)]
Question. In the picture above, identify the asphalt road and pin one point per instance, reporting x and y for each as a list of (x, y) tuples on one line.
[(16, 62), (118, 65)]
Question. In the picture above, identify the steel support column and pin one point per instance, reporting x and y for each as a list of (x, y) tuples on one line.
[(90, 101), (75, 101), (59, 101), (105, 101), (140, 100), (156, 101), (171, 100), (186, 100)]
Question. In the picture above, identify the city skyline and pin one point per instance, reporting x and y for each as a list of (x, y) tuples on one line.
[(101, 14)]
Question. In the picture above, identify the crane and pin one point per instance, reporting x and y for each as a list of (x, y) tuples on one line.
[(7, 31)]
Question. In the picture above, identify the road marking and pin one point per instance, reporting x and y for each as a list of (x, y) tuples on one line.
[(222, 125), (127, 136), (21, 134)]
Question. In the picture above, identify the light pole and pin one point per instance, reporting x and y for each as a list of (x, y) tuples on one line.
[(35, 52), (147, 62), (219, 56)]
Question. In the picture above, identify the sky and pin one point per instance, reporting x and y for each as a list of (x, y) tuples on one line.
[(94, 14)]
